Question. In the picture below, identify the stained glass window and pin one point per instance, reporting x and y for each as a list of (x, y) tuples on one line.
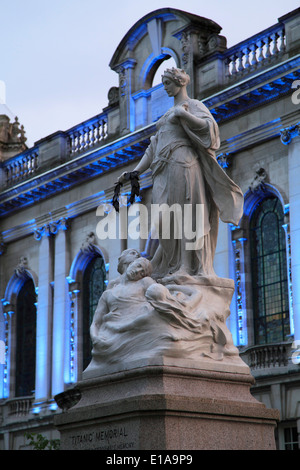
[(93, 287), (269, 273), (25, 340)]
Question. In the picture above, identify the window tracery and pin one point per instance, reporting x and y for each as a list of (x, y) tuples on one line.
[(269, 272)]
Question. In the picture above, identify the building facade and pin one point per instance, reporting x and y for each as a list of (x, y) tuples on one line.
[(55, 206)]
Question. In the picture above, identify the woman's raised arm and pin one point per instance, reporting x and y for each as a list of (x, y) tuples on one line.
[(193, 121)]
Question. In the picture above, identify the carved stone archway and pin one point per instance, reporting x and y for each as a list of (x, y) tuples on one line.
[(159, 35)]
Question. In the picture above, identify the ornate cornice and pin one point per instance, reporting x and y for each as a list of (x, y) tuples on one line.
[(49, 224), (255, 91), (87, 165)]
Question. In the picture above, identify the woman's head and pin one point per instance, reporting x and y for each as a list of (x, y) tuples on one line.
[(178, 76)]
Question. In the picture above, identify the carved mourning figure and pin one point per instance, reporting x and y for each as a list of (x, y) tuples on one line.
[(174, 305), (126, 258), (120, 309), (139, 319)]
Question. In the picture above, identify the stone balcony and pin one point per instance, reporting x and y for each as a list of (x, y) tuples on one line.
[(270, 359)]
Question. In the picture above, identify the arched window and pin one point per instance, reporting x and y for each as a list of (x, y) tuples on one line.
[(269, 273), (25, 340), (166, 64), (93, 287)]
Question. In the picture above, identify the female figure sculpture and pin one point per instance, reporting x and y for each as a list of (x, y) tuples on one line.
[(184, 169), (184, 314)]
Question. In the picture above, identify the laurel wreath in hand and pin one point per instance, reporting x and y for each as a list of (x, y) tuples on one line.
[(133, 177)]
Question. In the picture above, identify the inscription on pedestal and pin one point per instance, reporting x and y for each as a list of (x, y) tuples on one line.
[(115, 438)]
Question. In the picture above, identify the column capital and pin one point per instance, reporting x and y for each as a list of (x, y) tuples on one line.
[(224, 160), (127, 64), (238, 234), (51, 228)]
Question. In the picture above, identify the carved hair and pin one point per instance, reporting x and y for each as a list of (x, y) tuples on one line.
[(178, 76)]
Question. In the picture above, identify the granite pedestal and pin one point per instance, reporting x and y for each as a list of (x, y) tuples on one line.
[(166, 404)]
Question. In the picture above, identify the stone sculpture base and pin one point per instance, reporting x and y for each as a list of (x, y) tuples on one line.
[(166, 404)]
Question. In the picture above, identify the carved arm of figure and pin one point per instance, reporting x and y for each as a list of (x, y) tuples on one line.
[(144, 163), (193, 121)]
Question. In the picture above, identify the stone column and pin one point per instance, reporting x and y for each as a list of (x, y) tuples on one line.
[(291, 137), (44, 314), (60, 344)]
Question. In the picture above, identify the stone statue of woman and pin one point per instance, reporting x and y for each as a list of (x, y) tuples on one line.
[(185, 171)]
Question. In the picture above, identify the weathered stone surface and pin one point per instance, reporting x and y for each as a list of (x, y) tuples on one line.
[(168, 407)]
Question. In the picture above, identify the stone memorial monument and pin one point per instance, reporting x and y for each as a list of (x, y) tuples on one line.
[(165, 374)]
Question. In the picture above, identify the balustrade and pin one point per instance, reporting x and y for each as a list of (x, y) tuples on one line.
[(88, 134), (267, 356), (20, 406), (259, 50), (21, 167), (81, 138)]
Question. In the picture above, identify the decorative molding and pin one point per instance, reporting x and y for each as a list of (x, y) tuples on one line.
[(88, 247), (7, 325), (287, 134), (185, 41), (22, 273), (286, 227), (113, 96), (259, 180), (238, 240), (73, 307)]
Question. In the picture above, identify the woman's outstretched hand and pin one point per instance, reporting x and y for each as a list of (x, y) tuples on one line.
[(122, 178)]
